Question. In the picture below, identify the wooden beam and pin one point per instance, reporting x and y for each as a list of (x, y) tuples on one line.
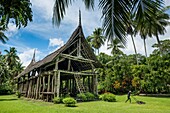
[(80, 59), (73, 72), (72, 51)]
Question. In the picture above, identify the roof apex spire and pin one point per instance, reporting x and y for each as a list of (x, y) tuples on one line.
[(33, 58), (79, 17)]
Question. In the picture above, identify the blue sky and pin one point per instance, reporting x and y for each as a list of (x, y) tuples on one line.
[(46, 38)]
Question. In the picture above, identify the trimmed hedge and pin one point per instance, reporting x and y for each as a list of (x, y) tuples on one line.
[(57, 100), (69, 102), (86, 96), (90, 96), (109, 97), (82, 97)]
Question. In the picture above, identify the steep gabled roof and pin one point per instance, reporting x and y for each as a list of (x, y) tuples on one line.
[(86, 52)]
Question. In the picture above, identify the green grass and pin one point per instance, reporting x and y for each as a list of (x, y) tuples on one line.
[(10, 104)]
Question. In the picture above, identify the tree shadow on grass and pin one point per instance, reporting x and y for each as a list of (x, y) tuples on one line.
[(8, 99)]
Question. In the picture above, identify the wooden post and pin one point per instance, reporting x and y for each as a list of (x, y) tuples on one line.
[(94, 80), (37, 87), (55, 77), (29, 90), (69, 64), (48, 87), (43, 87), (79, 53), (40, 86), (52, 87), (89, 84), (58, 84)]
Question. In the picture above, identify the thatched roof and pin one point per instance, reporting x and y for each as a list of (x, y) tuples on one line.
[(86, 53)]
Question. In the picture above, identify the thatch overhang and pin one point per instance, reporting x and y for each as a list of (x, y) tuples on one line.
[(87, 55)]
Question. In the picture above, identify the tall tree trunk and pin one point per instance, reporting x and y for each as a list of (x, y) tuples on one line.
[(144, 40), (159, 43), (135, 49)]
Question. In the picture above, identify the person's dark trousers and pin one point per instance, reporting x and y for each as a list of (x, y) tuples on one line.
[(128, 99)]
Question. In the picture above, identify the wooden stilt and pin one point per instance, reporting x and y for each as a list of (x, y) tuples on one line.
[(38, 79), (48, 87), (55, 77), (52, 87), (40, 87), (58, 85), (43, 87)]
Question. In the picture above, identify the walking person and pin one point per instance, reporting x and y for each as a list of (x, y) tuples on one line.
[(128, 97)]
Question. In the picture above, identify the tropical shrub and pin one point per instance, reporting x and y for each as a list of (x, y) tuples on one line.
[(5, 89), (109, 97), (82, 97), (18, 94), (69, 102), (57, 100), (89, 96)]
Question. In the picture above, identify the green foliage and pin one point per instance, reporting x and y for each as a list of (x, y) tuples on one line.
[(10, 12), (10, 67), (86, 96), (6, 88), (18, 94), (89, 96), (109, 97), (69, 102), (82, 97), (57, 100)]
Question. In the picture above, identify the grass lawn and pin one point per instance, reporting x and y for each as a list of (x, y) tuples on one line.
[(10, 104)]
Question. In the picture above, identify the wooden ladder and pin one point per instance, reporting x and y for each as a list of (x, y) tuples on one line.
[(79, 83)]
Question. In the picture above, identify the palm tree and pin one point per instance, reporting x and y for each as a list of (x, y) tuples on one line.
[(89, 40), (3, 38), (97, 39), (16, 11), (116, 45), (11, 57), (160, 21), (153, 25), (18, 68), (131, 33), (115, 13)]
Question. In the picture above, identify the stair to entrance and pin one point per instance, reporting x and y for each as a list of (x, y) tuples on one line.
[(79, 83)]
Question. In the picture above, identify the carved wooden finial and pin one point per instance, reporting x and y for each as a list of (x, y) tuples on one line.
[(79, 17)]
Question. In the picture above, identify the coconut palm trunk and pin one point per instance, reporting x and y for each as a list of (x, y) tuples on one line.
[(134, 49), (144, 41), (159, 43)]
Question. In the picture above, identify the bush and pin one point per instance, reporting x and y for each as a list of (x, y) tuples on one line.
[(82, 97), (18, 94), (5, 89), (57, 100), (109, 97), (69, 102), (89, 96)]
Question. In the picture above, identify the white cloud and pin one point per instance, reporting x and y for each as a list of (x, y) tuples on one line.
[(12, 30), (55, 42), (44, 8), (167, 2), (27, 55)]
